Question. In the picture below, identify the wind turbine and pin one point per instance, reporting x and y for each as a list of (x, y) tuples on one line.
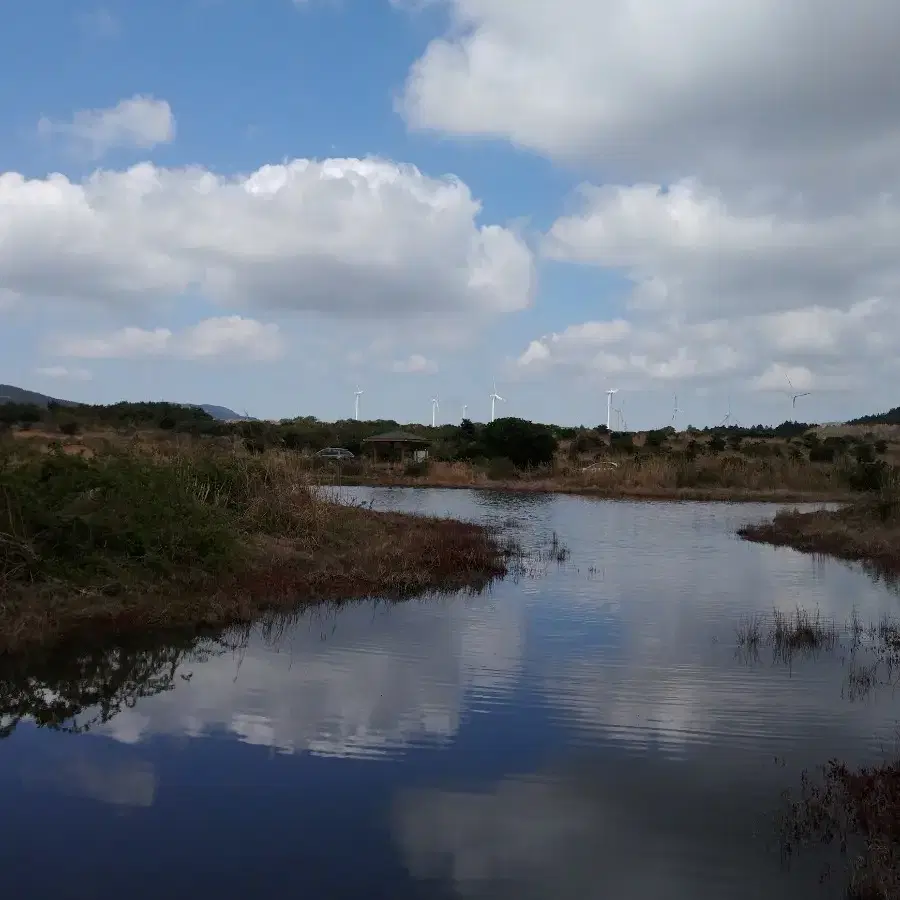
[(494, 398), (727, 420), (358, 394), (795, 395), (609, 396), (675, 412), (434, 408), (465, 408)]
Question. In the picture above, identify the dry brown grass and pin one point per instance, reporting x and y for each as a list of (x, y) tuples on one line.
[(724, 477), (117, 556), (866, 531)]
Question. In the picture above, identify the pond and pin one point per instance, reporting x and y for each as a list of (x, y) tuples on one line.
[(583, 730)]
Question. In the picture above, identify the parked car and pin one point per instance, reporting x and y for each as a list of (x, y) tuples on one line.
[(334, 453)]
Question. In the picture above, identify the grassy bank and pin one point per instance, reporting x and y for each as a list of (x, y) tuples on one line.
[(867, 531), (194, 536), (725, 478)]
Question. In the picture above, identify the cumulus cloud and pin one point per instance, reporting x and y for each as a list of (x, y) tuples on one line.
[(140, 122), (722, 291), (415, 364), (755, 213), (811, 348), (749, 91), (64, 372), (228, 336), (689, 252), (363, 238)]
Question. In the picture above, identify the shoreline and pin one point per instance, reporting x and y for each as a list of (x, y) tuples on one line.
[(694, 495), (122, 544), (866, 532)]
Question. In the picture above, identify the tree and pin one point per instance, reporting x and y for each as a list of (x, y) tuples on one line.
[(524, 443)]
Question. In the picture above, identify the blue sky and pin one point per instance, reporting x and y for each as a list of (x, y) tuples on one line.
[(702, 260)]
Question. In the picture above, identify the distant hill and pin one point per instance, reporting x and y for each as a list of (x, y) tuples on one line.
[(891, 417), (9, 393)]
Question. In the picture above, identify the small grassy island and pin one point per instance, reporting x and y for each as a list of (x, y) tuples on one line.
[(866, 531)]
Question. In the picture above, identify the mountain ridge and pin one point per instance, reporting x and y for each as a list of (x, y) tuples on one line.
[(10, 393)]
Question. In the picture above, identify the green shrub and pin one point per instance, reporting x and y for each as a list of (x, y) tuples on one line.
[(824, 453), (523, 443), (69, 428), (101, 521), (868, 476), (865, 453), (621, 442)]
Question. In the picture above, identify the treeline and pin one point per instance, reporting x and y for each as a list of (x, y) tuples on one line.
[(523, 443), (891, 417)]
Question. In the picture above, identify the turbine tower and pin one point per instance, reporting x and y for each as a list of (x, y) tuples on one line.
[(727, 420), (609, 396), (358, 394), (434, 408), (494, 398), (675, 412), (465, 408)]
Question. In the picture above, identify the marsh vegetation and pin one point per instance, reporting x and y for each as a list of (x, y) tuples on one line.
[(149, 537)]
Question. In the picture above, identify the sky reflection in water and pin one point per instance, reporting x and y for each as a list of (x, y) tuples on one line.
[(583, 731)]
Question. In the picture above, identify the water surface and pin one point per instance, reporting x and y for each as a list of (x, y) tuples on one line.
[(584, 730)]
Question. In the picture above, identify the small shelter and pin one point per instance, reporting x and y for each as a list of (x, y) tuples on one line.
[(392, 443)]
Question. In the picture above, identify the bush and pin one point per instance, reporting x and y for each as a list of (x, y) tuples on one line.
[(716, 444), (824, 453), (20, 413), (523, 443), (868, 476), (881, 446), (656, 439), (865, 453), (69, 428), (87, 521), (621, 442)]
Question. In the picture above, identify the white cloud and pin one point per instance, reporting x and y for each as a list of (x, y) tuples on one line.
[(720, 289), (228, 336), (813, 347), (757, 216), (63, 372), (752, 90), (363, 238), (415, 364), (140, 122), (690, 253)]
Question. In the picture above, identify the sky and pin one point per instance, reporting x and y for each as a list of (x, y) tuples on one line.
[(269, 205)]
